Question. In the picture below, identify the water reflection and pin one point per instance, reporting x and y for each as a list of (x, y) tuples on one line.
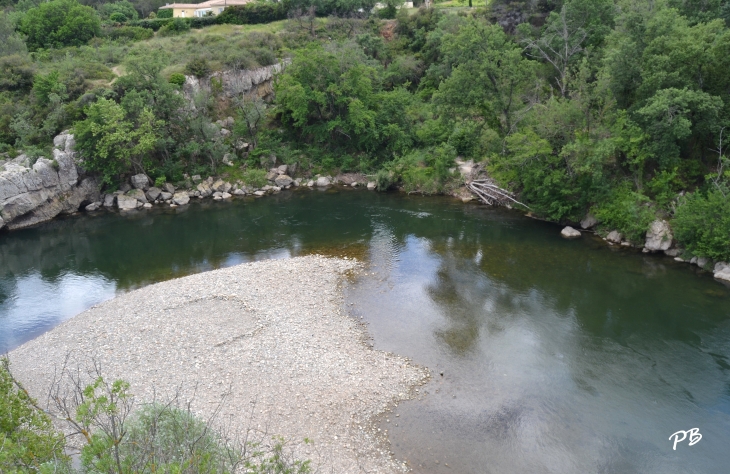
[(557, 356)]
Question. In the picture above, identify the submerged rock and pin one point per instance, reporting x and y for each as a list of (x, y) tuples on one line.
[(659, 236), (570, 233)]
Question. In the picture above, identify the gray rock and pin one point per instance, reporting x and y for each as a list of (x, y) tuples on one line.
[(196, 178), (354, 184), (147, 205), (272, 174), (372, 185), (180, 198), (169, 188), (614, 237), (226, 187), (693, 261), (672, 252), (275, 189), (226, 195), (165, 196), (138, 194), (588, 222), (94, 206), (125, 187), (239, 192), (659, 236), (227, 159), (297, 182), (310, 183), (323, 181), (140, 181), (702, 262), (2, 223), (218, 186), (283, 169), (127, 203), (109, 200), (153, 193), (204, 189), (259, 193), (722, 271), (570, 233), (217, 195), (283, 180), (225, 132)]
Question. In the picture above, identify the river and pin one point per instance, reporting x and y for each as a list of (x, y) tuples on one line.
[(557, 356)]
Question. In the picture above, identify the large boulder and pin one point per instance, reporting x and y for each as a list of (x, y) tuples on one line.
[(169, 188), (615, 237), (570, 233), (181, 198), (204, 189), (323, 181), (140, 181), (153, 193), (127, 203), (138, 194), (588, 222), (659, 236), (283, 181), (109, 200), (722, 271)]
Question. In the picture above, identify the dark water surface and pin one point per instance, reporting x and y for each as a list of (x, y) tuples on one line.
[(557, 356)]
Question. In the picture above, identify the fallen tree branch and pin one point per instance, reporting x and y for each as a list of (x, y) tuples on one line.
[(492, 194)]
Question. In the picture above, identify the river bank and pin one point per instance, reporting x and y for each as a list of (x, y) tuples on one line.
[(270, 336)]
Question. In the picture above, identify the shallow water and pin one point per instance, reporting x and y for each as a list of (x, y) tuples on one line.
[(557, 356)]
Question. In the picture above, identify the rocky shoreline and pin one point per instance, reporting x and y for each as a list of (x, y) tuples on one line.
[(272, 337)]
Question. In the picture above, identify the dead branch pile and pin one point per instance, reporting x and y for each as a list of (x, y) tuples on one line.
[(489, 193)]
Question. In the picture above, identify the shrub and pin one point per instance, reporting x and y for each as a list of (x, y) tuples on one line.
[(702, 223), (198, 67), (59, 23), (383, 180), (151, 24), (160, 181), (175, 27), (201, 22), (164, 13), (255, 177), (131, 33), (28, 439), (253, 13), (118, 17), (626, 211), (16, 73), (177, 79)]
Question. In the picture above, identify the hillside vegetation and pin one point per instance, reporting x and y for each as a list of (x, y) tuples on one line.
[(618, 108)]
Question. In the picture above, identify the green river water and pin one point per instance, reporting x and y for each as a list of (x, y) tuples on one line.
[(557, 356)]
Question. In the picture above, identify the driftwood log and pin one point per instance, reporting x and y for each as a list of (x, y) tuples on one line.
[(489, 193)]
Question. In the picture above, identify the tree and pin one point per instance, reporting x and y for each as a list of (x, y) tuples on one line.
[(111, 144), (60, 23), (489, 79), (10, 41)]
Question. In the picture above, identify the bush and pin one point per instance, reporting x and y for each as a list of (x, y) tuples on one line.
[(164, 13), (28, 440), (118, 17), (253, 13), (59, 23), (175, 27), (197, 67), (16, 73), (177, 79), (131, 33), (626, 211), (152, 24), (255, 177), (202, 22), (702, 223)]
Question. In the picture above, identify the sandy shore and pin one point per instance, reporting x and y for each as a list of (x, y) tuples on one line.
[(270, 335)]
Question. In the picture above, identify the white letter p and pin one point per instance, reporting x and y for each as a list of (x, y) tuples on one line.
[(677, 439)]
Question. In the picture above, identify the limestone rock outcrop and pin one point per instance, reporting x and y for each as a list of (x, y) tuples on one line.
[(34, 193), (659, 236)]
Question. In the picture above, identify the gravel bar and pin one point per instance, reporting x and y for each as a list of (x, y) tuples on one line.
[(270, 336)]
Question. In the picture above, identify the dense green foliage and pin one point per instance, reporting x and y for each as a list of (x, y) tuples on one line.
[(609, 107), (59, 23), (28, 441)]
